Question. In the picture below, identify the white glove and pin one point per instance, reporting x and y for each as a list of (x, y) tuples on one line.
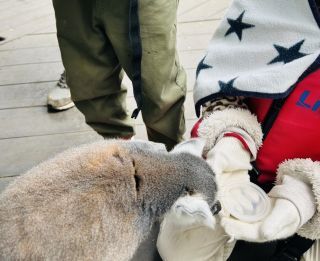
[(189, 232), (230, 161), (293, 205), (229, 155)]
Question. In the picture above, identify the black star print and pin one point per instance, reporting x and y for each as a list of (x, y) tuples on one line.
[(237, 26), (227, 87), (202, 66), (287, 55)]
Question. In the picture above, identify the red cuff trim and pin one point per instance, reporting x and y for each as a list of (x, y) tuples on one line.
[(240, 138), (194, 131)]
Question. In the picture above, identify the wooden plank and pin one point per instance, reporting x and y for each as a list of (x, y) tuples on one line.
[(8, 14), (31, 41), (34, 121), (30, 56), (18, 18), (194, 29), (20, 154), (204, 10), (25, 95), (24, 14), (49, 29), (16, 4), (4, 182), (185, 5), (35, 25), (190, 59), (30, 73), (192, 43)]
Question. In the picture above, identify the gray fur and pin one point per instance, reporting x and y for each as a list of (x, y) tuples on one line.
[(96, 202)]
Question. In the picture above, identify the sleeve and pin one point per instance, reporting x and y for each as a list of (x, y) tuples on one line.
[(229, 116)]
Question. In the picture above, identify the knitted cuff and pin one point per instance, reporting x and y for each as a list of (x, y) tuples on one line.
[(309, 172), (299, 194), (240, 121)]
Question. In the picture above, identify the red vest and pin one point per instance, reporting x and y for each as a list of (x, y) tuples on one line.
[(296, 130)]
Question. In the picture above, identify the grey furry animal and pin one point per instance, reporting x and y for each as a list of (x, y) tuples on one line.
[(98, 201)]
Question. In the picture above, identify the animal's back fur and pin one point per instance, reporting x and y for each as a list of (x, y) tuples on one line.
[(71, 204), (84, 204)]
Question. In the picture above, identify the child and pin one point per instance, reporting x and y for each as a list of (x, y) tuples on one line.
[(263, 60)]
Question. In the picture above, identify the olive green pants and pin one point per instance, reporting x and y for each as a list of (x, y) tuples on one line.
[(94, 41)]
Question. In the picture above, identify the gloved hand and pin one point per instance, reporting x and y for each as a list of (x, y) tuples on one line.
[(230, 160), (189, 232), (230, 157), (293, 205)]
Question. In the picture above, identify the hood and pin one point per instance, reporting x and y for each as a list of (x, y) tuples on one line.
[(262, 48)]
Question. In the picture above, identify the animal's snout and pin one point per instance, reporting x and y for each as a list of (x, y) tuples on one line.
[(216, 208)]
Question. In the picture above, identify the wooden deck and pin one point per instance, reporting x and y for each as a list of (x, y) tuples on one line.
[(30, 65)]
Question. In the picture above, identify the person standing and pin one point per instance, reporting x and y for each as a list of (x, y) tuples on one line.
[(257, 95), (100, 40)]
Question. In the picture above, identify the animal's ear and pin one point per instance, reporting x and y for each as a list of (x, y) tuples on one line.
[(193, 146)]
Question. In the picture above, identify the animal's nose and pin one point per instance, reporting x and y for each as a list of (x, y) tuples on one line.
[(216, 208)]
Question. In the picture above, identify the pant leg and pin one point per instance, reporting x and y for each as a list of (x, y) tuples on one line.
[(94, 74), (163, 78)]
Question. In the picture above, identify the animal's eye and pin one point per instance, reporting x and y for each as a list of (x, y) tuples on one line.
[(189, 191)]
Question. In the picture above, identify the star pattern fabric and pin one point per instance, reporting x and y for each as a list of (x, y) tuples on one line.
[(266, 45), (237, 26), (287, 55), (227, 87), (202, 66)]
